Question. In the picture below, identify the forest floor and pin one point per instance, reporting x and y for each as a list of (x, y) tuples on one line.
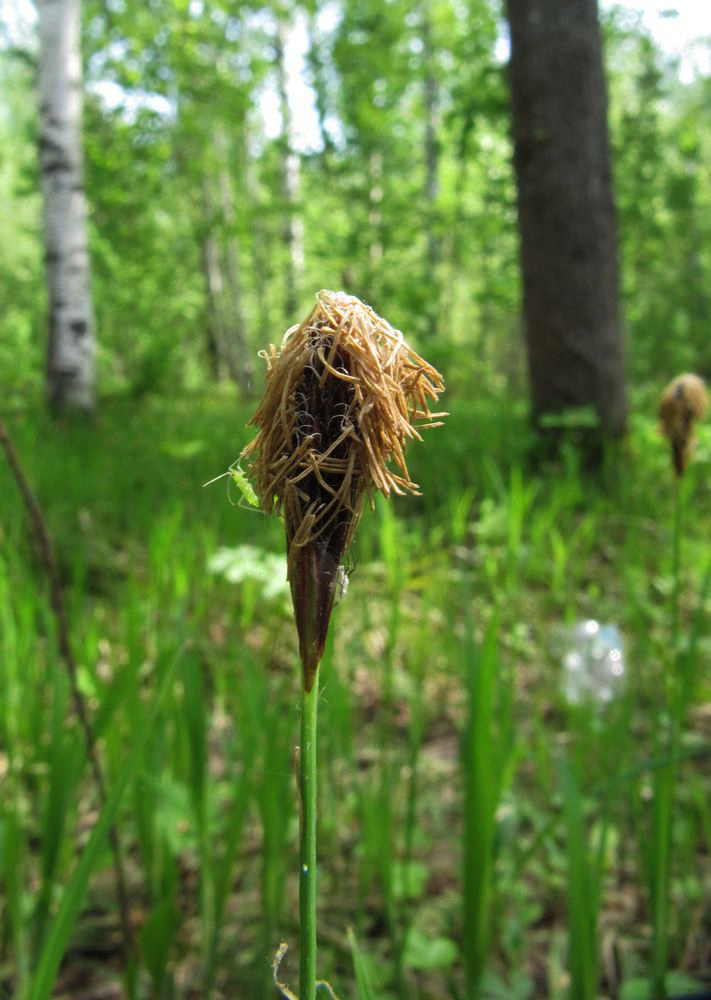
[(444, 701)]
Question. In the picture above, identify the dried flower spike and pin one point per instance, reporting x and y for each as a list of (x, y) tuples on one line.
[(342, 399), (683, 401)]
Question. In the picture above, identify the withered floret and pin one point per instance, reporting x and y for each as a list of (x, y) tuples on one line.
[(683, 402), (342, 398)]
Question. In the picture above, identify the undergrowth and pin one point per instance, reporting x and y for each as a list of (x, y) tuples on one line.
[(480, 835)]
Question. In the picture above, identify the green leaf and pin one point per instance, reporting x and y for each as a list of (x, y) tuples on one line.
[(156, 938), (423, 952), (73, 897), (365, 986), (410, 879)]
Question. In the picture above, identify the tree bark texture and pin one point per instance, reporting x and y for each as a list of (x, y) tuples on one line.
[(71, 375), (215, 330), (566, 210), (226, 341)]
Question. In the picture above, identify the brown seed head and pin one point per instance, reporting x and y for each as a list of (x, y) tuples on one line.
[(342, 399), (683, 401)]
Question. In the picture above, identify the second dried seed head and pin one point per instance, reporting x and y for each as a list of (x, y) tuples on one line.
[(683, 402)]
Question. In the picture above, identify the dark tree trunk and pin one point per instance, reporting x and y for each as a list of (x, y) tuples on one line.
[(566, 211)]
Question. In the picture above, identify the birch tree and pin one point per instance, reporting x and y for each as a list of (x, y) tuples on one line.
[(71, 378)]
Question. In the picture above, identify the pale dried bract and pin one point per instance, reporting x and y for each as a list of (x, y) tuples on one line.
[(344, 395), (684, 401)]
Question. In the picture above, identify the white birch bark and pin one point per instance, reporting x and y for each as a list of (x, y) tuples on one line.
[(71, 376)]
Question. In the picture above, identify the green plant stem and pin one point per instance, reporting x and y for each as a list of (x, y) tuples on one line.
[(676, 567), (664, 791), (307, 871)]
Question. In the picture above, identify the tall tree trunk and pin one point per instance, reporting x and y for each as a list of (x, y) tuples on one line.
[(211, 348), (217, 335), (71, 372), (214, 332), (566, 210), (293, 231)]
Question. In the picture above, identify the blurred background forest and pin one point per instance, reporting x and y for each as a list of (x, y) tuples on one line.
[(224, 190), (487, 829)]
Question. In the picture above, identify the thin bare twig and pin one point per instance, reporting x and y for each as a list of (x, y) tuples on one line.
[(67, 655)]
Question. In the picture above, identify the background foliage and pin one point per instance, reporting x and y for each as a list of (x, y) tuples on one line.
[(176, 153), (477, 831)]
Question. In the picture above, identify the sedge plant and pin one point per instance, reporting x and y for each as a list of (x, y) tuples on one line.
[(344, 395), (683, 402)]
